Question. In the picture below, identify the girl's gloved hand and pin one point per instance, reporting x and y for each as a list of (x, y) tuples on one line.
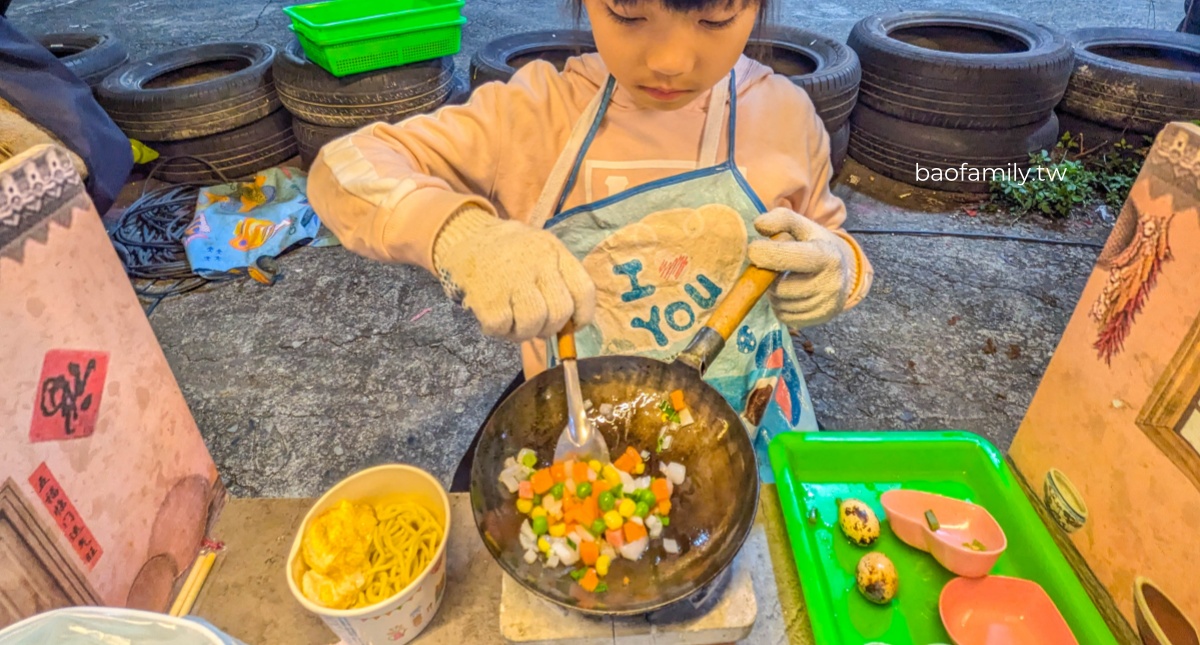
[(520, 282), (817, 266)]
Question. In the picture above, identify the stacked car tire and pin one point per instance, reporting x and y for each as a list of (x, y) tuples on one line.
[(210, 111), (1129, 83), (89, 55), (827, 70), (945, 96), (325, 107)]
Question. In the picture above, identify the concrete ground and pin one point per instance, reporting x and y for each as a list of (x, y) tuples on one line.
[(347, 363)]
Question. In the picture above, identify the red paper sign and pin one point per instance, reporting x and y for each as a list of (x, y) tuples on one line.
[(68, 395), (66, 516)]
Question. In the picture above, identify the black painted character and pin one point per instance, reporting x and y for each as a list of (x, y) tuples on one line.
[(60, 396)]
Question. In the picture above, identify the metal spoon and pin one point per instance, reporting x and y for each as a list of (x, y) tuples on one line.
[(579, 440)]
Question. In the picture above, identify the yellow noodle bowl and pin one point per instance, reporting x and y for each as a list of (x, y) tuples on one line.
[(360, 555)]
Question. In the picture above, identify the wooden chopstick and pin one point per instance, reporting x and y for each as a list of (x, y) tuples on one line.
[(191, 587)]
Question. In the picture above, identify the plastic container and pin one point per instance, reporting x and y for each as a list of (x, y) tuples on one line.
[(999, 609), (949, 544), (401, 617), (813, 469), (352, 36)]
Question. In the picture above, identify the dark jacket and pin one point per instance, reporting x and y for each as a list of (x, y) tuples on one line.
[(48, 94)]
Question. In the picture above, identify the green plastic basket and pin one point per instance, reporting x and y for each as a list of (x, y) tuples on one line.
[(352, 36)]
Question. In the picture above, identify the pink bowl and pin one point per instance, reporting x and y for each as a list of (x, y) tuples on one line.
[(998, 610), (960, 523)]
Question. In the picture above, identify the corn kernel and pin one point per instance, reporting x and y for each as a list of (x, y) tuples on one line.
[(558, 530), (543, 545), (602, 564), (538, 512), (595, 465), (611, 475), (525, 505), (627, 507), (613, 520), (639, 469)]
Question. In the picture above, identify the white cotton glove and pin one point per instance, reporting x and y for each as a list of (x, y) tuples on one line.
[(817, 266), (520, 282)]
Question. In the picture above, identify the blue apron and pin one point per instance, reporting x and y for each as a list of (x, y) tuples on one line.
[(662, 254)]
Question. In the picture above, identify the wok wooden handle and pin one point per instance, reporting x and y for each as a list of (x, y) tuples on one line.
[(750, 286), (566, 342)]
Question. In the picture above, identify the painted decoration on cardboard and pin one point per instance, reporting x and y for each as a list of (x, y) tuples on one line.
[(68, 397), (1111, 441)]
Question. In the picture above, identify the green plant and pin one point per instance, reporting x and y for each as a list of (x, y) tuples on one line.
[(1065, 178)]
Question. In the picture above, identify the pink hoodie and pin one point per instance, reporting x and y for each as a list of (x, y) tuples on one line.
[(386, 190)]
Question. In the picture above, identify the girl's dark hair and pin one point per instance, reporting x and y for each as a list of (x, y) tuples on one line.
[(764, 7)]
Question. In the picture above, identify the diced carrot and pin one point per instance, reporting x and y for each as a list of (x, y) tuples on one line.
[(589, 511), (579, 472), (559, 472), (628, 460), (589, 552), (571, 528), (590, 581), (600, 486), (634, 531), (677, 400), (615, 538), (525, 490), (660, 489), (664, 507), (542, 481), (569, 502)]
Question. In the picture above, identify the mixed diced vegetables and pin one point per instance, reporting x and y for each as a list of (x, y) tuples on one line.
[(586, 515)]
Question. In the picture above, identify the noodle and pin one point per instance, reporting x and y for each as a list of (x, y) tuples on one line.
[(404, 544)]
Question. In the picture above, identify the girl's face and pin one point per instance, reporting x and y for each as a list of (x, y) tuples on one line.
[(667, 58)]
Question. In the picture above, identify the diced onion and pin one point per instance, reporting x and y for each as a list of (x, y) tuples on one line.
[(564, 553), (674, 472), (654, 526), (527, 541), (531, 556), (633, 550), (626, 481), (527, 530), (670, 546), (606, 409)]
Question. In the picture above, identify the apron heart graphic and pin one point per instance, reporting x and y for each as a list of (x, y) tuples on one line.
[(657, 279)]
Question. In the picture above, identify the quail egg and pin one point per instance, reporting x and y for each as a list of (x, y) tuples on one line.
[(858, 522), (877, 578)]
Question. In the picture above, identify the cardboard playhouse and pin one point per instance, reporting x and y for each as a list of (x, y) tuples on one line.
[(1110, 445), (106, 487)]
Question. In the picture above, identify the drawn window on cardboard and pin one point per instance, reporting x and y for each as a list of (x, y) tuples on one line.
[(1171, 415)]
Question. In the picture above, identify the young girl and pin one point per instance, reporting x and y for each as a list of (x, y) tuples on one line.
[(627, 193)]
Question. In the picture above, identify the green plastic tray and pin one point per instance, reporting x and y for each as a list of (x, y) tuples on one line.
[(354, 36), (813, 469)]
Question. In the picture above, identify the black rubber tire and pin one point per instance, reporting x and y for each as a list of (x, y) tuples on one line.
[(461, 92), (314, 95), (827, 70), (839, 142), (239, 153), (893, 148), (196, 108), (1124, 94), (310, 137), (953, 89), (499, 59), (1097, 136), (89, 55)]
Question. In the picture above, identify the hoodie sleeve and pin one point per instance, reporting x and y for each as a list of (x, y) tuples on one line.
[(386, 190), (814, 199)]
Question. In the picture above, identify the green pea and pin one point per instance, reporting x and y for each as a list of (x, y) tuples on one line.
[(642, 509), (619, 490), (607, 501), (602, 587), (598, 527), (537, 500), (578, 574), (530, 459), (557, 490), (540, 525), (583, 490), (647, 495), (666, 521)]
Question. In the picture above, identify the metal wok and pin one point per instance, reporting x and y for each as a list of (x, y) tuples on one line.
[(712, 512)]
